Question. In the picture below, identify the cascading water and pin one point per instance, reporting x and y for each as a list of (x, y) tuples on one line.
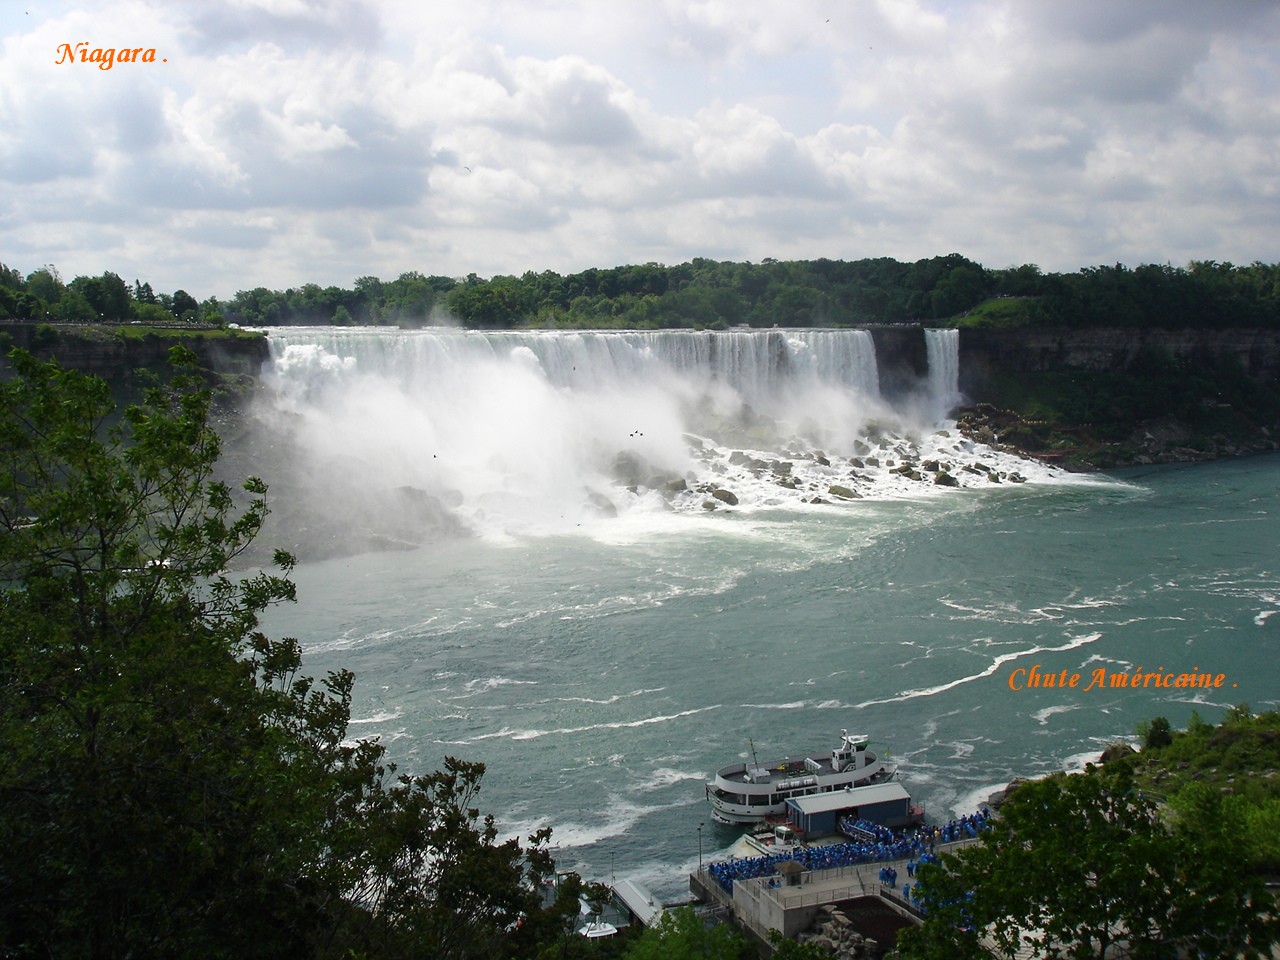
[(413, 434), (943, 351)]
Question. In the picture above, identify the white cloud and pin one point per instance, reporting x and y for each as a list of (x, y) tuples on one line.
[(288, 141)]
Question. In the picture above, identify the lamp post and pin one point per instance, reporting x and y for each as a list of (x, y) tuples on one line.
[(700, 826)]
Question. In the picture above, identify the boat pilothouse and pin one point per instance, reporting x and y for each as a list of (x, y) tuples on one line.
[(750, 792)]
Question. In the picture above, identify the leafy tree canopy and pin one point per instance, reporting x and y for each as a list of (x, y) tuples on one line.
[(947, 290), (171, 785), (1092, 866)]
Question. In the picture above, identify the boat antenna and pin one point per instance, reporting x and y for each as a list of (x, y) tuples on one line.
[(752, 744)]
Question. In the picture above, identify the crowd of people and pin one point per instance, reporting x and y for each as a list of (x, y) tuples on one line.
[(869, 843)]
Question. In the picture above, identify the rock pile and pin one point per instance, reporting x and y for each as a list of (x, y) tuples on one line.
[(833, 931)]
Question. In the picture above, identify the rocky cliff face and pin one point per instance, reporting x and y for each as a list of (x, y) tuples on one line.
[(1109, 397), (228, 362), (987, 353), (901, 358)]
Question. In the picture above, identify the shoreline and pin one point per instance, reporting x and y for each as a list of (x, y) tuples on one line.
[(1074, 448)]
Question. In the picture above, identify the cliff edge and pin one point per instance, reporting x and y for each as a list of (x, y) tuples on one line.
[(1102, 397)]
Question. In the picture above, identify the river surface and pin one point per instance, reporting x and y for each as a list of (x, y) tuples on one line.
[(603, 672)]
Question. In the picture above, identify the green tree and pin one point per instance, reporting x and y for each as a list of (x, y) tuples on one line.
[(11, 278), (152, 313), (1155, 733), (185, 306), (108, 295), (170, 784), (73, 306), (45, 284), (682, 935), (1080, 866)]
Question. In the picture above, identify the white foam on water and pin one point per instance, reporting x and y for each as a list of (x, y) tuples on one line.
[(618, 817), (486, 684), (1042, 717), (383, 717), (665, 777), (508, 733), (995, 665)]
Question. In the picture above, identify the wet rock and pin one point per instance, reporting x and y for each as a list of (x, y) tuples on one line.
[(844, 493), (725, 496), (1116, 751), (629, 467), (1000, 796)]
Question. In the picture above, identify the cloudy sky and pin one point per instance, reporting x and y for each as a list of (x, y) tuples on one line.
[(278, 142)]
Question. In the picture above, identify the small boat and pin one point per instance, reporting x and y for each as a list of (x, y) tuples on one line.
[(744, 793), (595, 929)]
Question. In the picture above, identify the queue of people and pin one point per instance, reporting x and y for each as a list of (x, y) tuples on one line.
[(870, 842)]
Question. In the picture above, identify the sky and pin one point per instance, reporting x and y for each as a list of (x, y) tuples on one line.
[(280, 142)]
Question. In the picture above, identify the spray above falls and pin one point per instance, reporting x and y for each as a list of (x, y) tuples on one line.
[(419, 433)]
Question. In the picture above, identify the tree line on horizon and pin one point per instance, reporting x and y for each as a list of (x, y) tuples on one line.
[(946, 290)]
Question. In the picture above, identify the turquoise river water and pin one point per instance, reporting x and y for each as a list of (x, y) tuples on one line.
[(603, 677)]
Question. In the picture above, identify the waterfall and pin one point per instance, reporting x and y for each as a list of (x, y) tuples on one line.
[(760, 366), (387, 435), (943, 352)]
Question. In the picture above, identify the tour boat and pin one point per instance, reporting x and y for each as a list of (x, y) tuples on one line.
[(745, 793)]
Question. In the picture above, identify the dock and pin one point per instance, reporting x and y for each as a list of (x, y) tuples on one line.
[(791, 902)]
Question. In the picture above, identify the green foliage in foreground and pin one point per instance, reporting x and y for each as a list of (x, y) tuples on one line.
[(170, 785), (1080, 865), (682, 934)]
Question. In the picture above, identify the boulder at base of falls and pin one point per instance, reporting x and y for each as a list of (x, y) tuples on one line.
[(944, 479), (725, 496), (844, 493), (630, 467)]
